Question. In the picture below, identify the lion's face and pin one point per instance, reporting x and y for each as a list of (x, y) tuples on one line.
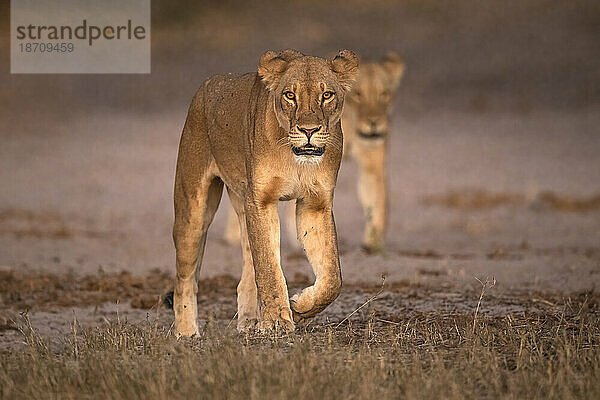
[(308, 97), (371, 96)]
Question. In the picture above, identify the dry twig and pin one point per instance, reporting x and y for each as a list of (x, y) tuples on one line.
[(484, 285), (365, 303)]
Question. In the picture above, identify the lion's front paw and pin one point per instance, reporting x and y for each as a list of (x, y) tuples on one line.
[(373, 241), (373, 247), (298, 303), (314, 299), (278, 320)]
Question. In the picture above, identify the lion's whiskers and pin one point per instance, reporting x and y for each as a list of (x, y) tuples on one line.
[(334, 142), (283, 142)]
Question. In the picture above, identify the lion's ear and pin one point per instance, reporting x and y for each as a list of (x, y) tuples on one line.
[(270, 69), (272, 66), (345, 66), (394, 66)]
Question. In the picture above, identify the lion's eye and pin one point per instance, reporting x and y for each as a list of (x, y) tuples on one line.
[(289, 95), (386, 94), (328, 95)]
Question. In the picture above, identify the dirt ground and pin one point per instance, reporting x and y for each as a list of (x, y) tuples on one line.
[(494, 171)]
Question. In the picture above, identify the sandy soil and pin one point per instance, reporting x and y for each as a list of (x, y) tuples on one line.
[(79, 202)]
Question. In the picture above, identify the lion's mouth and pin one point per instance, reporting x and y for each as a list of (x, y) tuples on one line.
[(371, 135), (308, 150)]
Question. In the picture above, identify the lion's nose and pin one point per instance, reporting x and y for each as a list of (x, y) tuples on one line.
[(309, 130)]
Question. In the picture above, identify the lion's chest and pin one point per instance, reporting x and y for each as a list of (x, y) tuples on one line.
[(304, 182), (291, 184)]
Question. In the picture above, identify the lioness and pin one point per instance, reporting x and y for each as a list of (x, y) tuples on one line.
[(268, 136), (365, 122)]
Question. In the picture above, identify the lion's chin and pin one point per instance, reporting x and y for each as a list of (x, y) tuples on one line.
[(306, 160)]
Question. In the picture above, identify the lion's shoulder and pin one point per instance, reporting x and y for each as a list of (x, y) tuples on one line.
[(226, 93)]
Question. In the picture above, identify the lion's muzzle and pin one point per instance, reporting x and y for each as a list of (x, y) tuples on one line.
[(308, 150)]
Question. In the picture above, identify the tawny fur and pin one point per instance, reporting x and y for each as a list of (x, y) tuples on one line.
[(239, 132)]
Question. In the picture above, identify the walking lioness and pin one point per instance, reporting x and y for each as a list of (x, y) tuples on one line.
[(366, 124), (268, 136)]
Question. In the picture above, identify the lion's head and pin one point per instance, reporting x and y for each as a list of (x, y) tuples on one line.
[(372, 95), (308, 96)]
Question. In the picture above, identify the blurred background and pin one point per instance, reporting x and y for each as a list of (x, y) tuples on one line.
[(511, 56), (494, 165)]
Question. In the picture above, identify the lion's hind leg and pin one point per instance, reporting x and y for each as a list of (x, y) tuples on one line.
[(197, 195), (247, 300), (192, 218), (232, 229)]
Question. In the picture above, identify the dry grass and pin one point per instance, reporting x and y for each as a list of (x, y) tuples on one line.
[(429, 355)]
